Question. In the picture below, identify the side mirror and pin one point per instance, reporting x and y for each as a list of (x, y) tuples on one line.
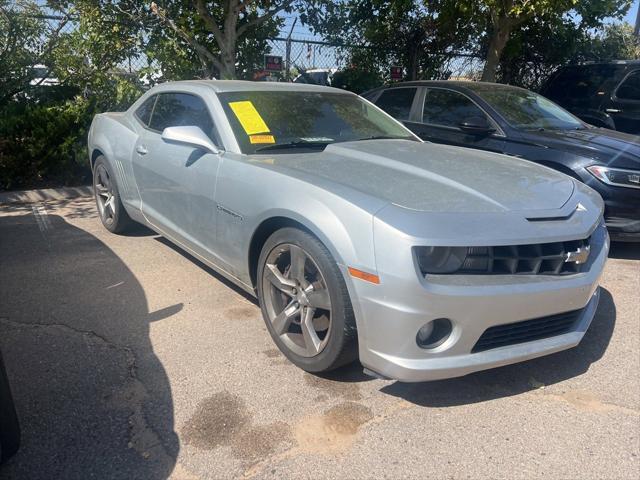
[(193, 136), (476, 126)]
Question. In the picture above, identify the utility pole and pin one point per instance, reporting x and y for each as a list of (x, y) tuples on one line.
[(287, 58), (636, 30)]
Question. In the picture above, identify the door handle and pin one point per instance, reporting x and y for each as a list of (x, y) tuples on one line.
[(142, 150), (613, 110)]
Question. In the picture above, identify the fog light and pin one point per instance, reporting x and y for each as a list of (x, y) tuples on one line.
[(433, 334)]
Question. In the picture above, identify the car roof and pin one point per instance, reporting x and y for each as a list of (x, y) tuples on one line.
[(610, 62), (460, 84), (245, 85)]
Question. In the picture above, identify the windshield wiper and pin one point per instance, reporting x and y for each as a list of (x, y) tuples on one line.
[(382, 137), (290, 145)]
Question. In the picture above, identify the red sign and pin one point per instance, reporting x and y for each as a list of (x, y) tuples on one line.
[(272, 63), (396, 73)]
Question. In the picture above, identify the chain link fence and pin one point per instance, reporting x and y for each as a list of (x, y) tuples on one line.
[(300, 55)]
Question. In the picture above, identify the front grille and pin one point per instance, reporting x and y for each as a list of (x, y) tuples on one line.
[(535, 259), (526, 331)]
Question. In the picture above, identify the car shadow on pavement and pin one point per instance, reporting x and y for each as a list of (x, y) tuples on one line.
[(625, 250), (94, 401), (517, 378)]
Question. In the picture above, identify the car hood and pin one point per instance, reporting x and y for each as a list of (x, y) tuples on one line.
[(434, 178), (616, 149)]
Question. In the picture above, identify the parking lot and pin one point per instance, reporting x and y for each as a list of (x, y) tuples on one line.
[(129, 359)]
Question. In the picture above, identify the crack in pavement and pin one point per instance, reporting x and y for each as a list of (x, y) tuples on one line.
[(143, 439)]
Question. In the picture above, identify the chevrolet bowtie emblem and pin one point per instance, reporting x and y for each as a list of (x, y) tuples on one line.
[(579, 256)]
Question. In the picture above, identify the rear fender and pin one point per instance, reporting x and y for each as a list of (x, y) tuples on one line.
[(116, 141)]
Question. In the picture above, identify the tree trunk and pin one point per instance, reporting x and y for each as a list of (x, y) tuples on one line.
[(414, 63), (499, 40), (228, 57), (228, 71)]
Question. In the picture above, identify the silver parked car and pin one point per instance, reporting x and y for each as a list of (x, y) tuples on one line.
[(359, 240)]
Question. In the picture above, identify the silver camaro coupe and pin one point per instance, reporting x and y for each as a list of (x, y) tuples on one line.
[(359, 240)]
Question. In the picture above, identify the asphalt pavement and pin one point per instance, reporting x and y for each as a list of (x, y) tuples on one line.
[(130, 359)]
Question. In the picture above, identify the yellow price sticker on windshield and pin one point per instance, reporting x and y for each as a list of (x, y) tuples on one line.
[(249, 117), (262, 139)]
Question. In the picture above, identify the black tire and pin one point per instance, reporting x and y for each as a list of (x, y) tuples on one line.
[(112, 213), (341, 346), (9, 427)]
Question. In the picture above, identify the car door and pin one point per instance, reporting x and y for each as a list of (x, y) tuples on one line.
[(177, 182), (625, 106), (443, 111)]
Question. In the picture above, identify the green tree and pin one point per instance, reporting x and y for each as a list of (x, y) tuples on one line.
[(533, 53), (411, 33), (543, 44), (98, 44), (615, 41), (504, 16), (43, 128), (225, 37), (25, 41)]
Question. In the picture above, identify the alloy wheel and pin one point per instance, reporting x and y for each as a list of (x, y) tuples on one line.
[(105, 199), (297, 300)]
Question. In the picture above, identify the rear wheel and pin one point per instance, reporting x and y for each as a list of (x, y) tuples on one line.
[(112, 213), (305, 303)]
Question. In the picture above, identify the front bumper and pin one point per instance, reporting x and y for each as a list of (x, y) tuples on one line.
[(394, 311)]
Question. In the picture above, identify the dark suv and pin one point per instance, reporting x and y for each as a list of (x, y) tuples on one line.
[(602, 94)]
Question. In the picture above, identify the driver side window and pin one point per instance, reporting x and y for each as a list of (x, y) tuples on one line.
[(448, 108), (182, 110)]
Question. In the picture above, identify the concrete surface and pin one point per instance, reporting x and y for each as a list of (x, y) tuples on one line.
[(129, 359), (45, 195)]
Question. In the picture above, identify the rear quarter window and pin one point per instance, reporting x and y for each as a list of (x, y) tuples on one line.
[(144, 111), (397, 102)]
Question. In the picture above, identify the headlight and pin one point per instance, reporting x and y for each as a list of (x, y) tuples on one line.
[(440, 259), (616, 176)]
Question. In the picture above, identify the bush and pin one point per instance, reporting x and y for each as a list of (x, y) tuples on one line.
[(43, 144), (43, 136)]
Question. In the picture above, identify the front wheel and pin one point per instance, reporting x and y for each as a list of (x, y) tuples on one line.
[(305, 303)]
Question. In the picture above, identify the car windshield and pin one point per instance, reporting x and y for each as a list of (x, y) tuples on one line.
[(289, 121), (529, 111)]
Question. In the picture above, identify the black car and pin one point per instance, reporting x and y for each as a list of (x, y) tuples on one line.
[(602, 94), (517, 122), (9, 429)]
